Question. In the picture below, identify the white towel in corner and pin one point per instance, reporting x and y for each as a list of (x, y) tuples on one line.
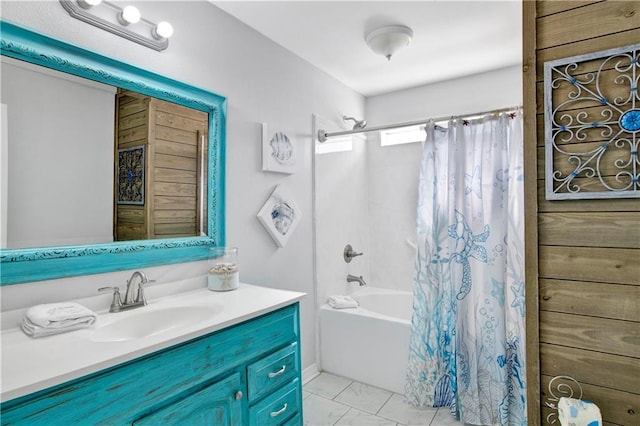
[(51, 318), (342, 302), (578, 412)]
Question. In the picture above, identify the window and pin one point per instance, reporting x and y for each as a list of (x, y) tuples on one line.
[(335, 144), (402, 135)]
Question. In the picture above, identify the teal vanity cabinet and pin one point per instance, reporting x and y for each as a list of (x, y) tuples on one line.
[(245, 374)]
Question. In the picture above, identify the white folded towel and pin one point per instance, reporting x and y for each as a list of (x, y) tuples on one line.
[(342, 302), (52, 318)]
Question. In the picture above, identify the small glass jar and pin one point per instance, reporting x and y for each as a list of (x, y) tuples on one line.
[(223, 269)]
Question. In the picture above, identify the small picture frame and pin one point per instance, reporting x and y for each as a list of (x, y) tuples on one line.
[(279, 151), (280, 215)]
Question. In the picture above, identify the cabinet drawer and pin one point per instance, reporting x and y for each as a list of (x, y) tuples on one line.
[(277, 408), (271, 372)]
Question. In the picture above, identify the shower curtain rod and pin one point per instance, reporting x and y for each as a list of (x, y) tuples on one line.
[(323, 135)]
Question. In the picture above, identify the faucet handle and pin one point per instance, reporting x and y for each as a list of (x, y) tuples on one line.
[(140, 296), (349, 253), (116, 302)]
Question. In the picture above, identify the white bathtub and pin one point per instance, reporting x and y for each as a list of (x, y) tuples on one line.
[(370, 343)]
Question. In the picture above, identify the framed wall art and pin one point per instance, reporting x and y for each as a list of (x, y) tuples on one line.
[(279, 153), (592, 125), (280, 215), (131, 167)]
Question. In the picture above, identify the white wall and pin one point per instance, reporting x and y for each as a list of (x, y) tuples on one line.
[(263, 83), (394, 170), (60, 149)]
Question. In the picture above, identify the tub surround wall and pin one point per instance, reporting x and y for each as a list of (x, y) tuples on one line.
[(341, 218), (262, 82)]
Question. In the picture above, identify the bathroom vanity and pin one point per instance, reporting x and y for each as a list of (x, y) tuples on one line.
[(240, 366)]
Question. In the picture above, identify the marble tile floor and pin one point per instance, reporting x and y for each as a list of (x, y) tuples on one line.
[(334, 400)]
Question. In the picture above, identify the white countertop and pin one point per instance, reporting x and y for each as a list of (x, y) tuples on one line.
[(32, 364)]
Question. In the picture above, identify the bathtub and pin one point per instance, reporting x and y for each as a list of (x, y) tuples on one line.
[(369, 344)]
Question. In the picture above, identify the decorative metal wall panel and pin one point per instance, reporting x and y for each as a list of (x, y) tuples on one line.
[(131, 175), (592, 125)]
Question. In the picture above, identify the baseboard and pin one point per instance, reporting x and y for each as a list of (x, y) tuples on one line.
[(310, 373)]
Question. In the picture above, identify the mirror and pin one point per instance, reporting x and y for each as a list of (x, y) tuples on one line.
[(106, 200), (157, 148)]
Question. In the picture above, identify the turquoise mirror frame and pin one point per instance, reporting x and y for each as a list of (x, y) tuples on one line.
[(38, 264)]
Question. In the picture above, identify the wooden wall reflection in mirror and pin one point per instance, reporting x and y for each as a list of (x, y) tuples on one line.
[(182, 156)]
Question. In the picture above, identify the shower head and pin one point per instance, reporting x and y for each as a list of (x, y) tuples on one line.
[(357, 124)]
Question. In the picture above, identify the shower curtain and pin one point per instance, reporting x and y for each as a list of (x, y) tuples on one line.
[(467, 331)]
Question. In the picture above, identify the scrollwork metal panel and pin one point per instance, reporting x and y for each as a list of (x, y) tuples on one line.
[(592, 125)]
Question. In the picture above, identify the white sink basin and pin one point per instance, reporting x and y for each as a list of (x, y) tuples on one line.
[(148, 323)]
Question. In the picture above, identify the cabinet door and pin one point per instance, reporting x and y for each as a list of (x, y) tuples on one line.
[(216, 404)]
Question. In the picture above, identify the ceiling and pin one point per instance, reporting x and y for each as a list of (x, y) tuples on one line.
[(451, 38)]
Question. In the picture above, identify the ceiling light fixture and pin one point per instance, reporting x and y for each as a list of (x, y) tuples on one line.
[(126, 22), (386, 41)]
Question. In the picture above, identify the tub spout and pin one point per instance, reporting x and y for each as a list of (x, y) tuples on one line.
[(355, 279)]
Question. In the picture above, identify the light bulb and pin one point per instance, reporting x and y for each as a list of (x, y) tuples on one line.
[(129, 15), (162, 30), (88, 4)]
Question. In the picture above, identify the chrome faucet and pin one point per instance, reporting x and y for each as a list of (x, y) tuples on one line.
[(128, 296), (118, 305), (355, 279)]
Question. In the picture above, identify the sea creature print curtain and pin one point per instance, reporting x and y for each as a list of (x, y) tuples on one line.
[(467, 331)]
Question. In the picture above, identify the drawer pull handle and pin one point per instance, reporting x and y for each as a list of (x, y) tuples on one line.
[(277, 373), (238, 395), (280, 411)]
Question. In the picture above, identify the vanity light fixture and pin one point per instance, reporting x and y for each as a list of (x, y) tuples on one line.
[(126, 22)]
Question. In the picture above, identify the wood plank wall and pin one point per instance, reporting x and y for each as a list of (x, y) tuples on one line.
[(175, 139), (585, 320), (178, 133)]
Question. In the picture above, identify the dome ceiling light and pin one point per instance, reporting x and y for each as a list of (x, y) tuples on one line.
[(386, 41)]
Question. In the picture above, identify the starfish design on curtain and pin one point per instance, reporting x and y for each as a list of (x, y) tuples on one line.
[(472, 183), (518, 301)]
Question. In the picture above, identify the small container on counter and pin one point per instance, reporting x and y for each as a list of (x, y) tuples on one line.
[(223, 269)]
